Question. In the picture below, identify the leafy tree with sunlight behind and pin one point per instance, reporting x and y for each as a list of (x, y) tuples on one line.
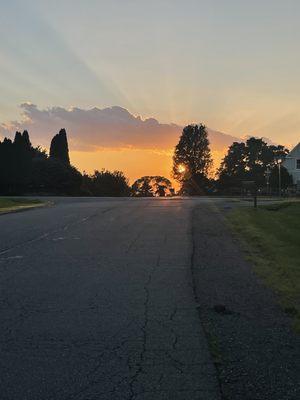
[(152, 186), (192, 160)]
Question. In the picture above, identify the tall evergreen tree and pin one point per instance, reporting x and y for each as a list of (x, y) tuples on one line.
[(59, 148), (26, 139), (24, 168), (6, 166), (22, 157)]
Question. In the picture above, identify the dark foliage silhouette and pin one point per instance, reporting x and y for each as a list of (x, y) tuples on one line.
[(16, 163), (59, 148), (142, 187), (106, 183), (192, 160), (249, 162), (150, 186), (25, 169), (54, 177)]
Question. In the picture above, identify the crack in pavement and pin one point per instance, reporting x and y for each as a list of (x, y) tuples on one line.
[(134, 378), (47, 234)]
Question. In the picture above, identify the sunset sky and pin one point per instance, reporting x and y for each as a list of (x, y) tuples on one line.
[(123, 76)]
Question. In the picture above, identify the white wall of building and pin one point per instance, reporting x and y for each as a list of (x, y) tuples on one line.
[(292, 164)]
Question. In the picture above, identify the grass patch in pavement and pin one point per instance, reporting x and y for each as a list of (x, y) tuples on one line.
[(7, 204), (214, 348), (272, 236)]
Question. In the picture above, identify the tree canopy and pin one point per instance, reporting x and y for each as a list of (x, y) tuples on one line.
[(152, 186), (106, 183), (249, 162), (192, 159), (59, 148), (28, 169), (16, 163), (51, 176)]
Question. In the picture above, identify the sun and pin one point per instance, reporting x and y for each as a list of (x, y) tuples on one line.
[(181, 168)]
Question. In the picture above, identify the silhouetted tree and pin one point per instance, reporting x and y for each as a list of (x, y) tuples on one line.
[(51, 176), (232, 170), (106, 183), (161, 190), (192, 160), (59, 148), (248, 162), (26, 140), (149, 186), (15, 164), (22, 161), (162, 186), (7, 169), (24, 169), (142, 187), (86, 185)]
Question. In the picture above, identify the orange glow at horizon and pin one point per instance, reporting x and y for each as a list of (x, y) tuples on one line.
[(133, 162)]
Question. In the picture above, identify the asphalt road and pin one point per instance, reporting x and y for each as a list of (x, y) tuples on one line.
[(97, 302)]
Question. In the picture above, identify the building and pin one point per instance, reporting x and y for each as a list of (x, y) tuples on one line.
[(292, 164)]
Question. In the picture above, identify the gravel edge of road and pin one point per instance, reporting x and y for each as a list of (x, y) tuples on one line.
[(247, 346)]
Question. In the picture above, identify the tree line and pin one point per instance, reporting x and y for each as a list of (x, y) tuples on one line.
[(251, 161), (25, 169)]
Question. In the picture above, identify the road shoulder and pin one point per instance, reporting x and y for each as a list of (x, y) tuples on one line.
[(255, 351), (12, 205)]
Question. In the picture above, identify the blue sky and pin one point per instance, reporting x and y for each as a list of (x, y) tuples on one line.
[(232, 64)]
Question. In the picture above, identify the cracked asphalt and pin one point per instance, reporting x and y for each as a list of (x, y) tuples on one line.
[(97, 302)]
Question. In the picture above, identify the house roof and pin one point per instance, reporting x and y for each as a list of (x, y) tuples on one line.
[(295, 151)]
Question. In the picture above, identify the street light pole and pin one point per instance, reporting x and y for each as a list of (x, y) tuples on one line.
[(279, 177), (278, 162)]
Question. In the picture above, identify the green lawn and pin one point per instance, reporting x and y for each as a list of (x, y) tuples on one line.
[(7, 204), (272, 236)]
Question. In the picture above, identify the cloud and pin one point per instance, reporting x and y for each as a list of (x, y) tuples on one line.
[(109, 128)]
